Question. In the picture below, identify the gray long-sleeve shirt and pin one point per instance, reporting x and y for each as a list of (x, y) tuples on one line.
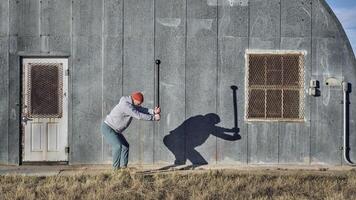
[(121, 115)]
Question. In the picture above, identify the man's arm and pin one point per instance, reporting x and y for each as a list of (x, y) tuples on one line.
[(145, 110), (135, 112)]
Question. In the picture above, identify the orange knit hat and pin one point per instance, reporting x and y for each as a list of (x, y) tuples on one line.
[(138, 96)]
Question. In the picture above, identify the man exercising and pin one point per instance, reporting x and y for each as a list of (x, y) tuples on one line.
[(119, 119)]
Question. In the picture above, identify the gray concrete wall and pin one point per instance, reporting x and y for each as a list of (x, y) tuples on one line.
[(4, 81), (112, 45)]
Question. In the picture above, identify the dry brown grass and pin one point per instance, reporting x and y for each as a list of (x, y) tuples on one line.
[(217, 184)]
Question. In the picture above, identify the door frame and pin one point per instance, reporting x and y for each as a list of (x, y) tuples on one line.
[(21, 57)]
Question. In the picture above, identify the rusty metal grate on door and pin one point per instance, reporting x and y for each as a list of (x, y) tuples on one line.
[(274, 87), (44, 89)]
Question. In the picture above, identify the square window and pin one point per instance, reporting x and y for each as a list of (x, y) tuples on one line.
[(274, 86)]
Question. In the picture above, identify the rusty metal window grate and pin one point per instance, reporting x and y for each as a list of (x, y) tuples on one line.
[(45, 88), (274, 87)]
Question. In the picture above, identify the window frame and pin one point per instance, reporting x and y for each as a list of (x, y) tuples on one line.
[(302, 96)]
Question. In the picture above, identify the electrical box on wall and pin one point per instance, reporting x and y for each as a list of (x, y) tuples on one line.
[(314, 84), (312, 91), (314, 88)]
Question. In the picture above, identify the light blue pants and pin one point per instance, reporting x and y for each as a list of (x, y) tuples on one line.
[(120, 147)]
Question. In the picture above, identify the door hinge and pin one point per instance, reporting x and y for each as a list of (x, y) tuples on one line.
[(67, 72), (67, 149)]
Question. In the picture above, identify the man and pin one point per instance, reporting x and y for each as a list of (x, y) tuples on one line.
[(119, 119)]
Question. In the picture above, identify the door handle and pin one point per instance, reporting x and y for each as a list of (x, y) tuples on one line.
[(25, 119)]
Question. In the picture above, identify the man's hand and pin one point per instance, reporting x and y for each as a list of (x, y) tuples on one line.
[(157, 110), (157, 117)]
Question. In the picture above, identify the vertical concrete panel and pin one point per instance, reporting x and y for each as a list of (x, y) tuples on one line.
[(60, 26), (138, 72), (86, 82), (327, 111), (4, 98), (57, 17), (4, 80), (55, 26), (326, 115), (87, 17), (294, 138), (201, 78), (233, 40), (55, 34), (264, 34), (233, 18), (14, 85), (264, 24), (294, 143), (29, 17), (112, 68), (296, 18), (263, 143), (14, 102), (4, 18), (28, 25), (170, 23), (323, 24), (45, 12), (13, 17)]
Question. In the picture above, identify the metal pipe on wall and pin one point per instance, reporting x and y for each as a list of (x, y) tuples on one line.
[(345, 88)]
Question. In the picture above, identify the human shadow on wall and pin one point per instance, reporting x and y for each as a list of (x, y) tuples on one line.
[(194, 131)]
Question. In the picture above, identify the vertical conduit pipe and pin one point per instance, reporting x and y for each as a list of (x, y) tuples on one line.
[(345, 88)]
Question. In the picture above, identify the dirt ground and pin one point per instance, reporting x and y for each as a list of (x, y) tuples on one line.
[(178, 182)]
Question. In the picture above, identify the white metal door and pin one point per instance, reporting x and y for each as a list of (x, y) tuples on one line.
[(45, 109)]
